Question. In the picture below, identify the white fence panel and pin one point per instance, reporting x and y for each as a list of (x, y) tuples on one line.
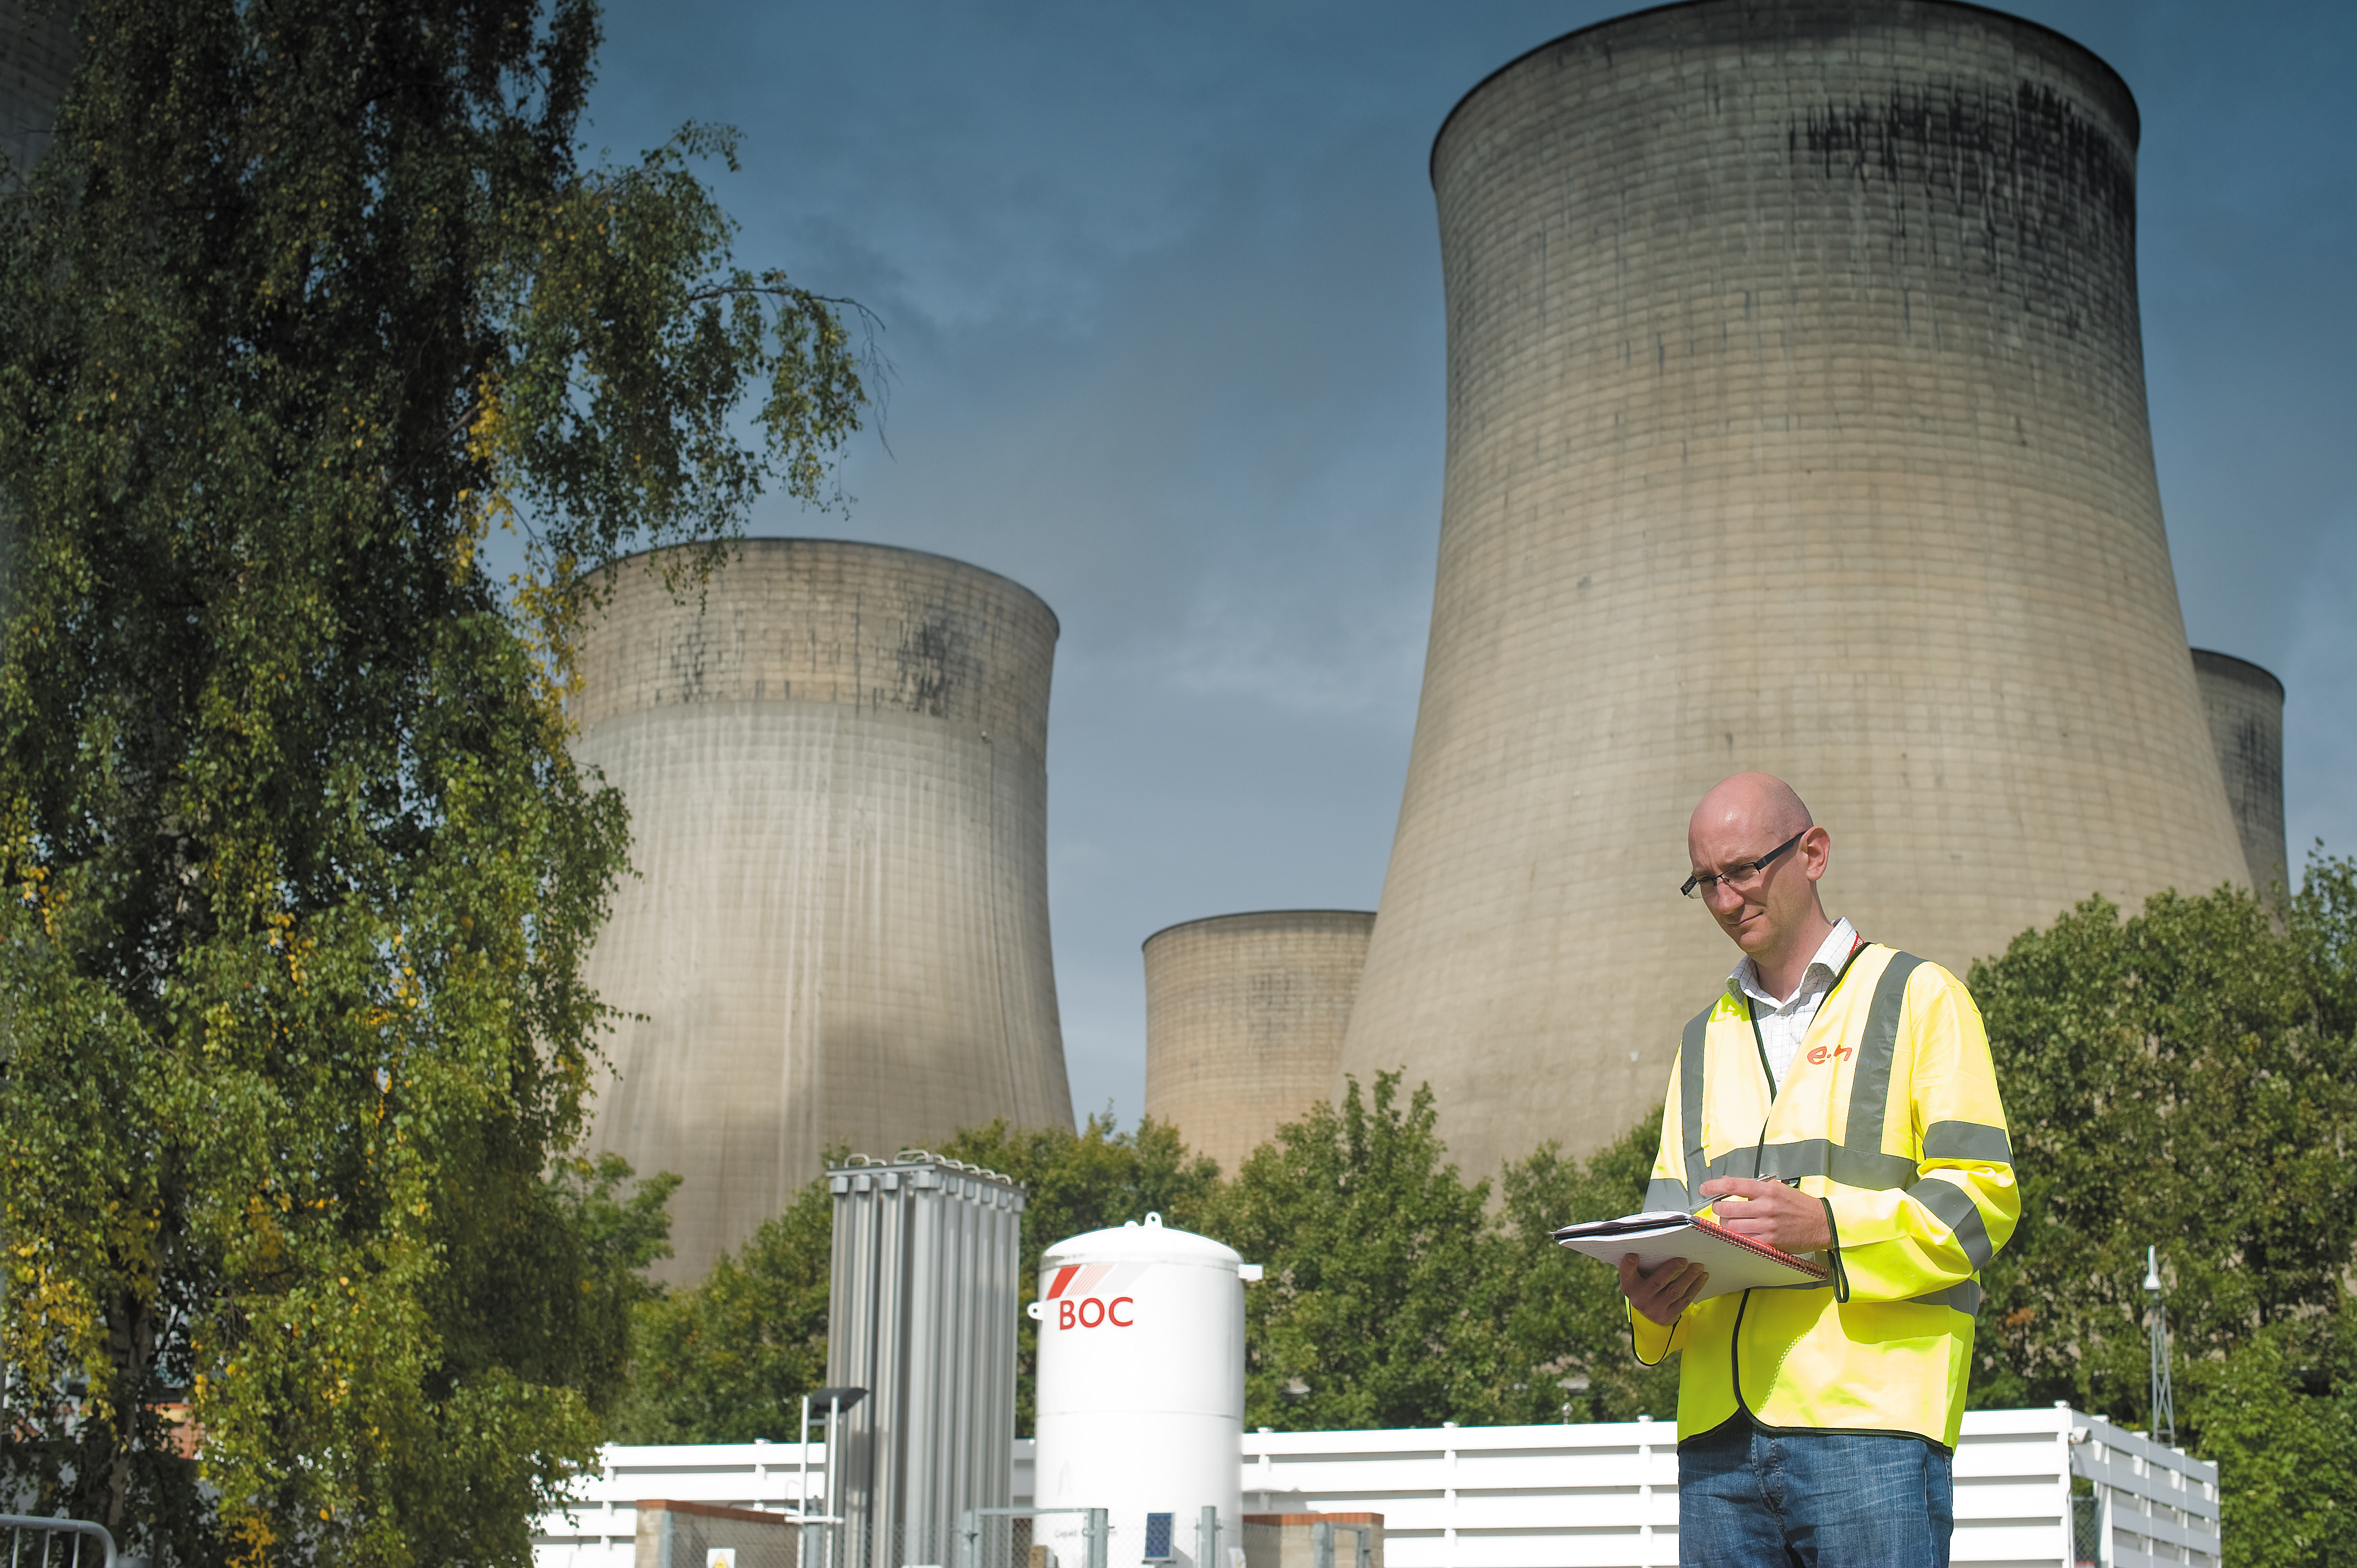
[(600, 1529), (1601, 1496), (2162, 1506)]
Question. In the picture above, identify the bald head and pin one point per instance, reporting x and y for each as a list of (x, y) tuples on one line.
[(1752, 800), (1766, 908)]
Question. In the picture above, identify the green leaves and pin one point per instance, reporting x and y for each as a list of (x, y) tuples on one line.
[(727, 1359), (2187, 1078), (1565, 1318), (299, 873), (1090, 1180), (1396, 1296), (1391, 1296), (1374, 1251), (2182, 1078)]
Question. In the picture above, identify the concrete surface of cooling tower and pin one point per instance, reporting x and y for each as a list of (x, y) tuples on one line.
[(2245, 705), (837, 782), (1796, 421), (1244, 1015), (36, 57)]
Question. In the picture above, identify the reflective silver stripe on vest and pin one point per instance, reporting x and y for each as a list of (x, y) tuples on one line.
[(1966, 1298), (1960, 1214), (1869, 1086), (1663, 1192), (1871, 1171), (1691, 1053), (1967, 1141)]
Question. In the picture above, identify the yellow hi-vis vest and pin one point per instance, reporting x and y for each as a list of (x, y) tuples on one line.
[(1889, 1112)]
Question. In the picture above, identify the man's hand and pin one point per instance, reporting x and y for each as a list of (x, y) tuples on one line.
[(1665, 1293), (1782, 1217)]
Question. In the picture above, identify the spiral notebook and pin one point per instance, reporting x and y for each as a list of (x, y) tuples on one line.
[(1734, 1262)]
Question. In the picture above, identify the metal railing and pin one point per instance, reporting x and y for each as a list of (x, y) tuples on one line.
[(48, 1552)]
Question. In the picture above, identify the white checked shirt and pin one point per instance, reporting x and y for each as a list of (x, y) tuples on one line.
[(1783, 1021)]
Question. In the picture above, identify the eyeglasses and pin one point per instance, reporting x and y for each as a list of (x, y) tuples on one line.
[(1742, 877)]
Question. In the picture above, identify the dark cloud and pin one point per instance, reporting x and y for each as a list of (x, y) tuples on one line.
[(1162, 293)]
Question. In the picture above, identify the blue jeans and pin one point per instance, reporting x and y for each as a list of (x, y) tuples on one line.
[(1812, 1500)]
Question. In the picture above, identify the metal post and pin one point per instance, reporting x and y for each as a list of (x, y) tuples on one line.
[(1321, 1545), (1100, 1537), (2162, 1416), (969, 1540), (1207, 1538)]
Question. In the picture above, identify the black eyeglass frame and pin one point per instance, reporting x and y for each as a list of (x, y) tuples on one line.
[(1686, 889)]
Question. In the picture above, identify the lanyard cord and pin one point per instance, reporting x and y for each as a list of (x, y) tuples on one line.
[(1760, 1149), (1751, 1010)]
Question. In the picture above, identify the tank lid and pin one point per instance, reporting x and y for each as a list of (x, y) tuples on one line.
[(1152, 1241)]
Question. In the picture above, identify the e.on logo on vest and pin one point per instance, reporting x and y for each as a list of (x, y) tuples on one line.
[(1091, 1295)]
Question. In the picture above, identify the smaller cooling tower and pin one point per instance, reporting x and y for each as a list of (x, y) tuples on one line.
[(36, 58), (837, 935), (1244, 1019), (2245, 705)]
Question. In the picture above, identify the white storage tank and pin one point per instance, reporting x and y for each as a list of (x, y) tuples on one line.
[(1141, 1394)]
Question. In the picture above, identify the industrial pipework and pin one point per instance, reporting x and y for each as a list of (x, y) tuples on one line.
[(920, 1316)]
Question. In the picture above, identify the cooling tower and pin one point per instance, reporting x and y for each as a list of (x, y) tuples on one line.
[(1796, 421), (838, 934), (2245, 705), (1244, 1016), (36, 57)]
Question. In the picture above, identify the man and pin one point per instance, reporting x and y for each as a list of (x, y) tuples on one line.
[(1836, 1100)]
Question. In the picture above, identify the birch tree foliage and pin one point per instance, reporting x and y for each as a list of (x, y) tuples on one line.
[(306, 299)]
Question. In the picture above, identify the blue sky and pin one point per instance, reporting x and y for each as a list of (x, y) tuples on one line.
[(1161, 289)]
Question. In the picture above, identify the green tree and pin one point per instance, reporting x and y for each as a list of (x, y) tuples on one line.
[(597, 1227), (2278, 1414), (1564, 1324), (727, 1359), (2186, 1076), (305, 299), (1375, 1252), (1079, 1182)]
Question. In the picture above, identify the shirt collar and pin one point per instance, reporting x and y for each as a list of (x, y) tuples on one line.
[(1831, 954)]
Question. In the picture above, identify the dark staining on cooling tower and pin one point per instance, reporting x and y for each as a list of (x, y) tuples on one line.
[(1831, 347), (932, 662), (2023, 177), (685, 665)]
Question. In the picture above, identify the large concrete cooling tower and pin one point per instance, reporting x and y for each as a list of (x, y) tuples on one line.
[(36, 57), (1796, 421), (1244, 1017), (2245, 705), (838, 791)]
